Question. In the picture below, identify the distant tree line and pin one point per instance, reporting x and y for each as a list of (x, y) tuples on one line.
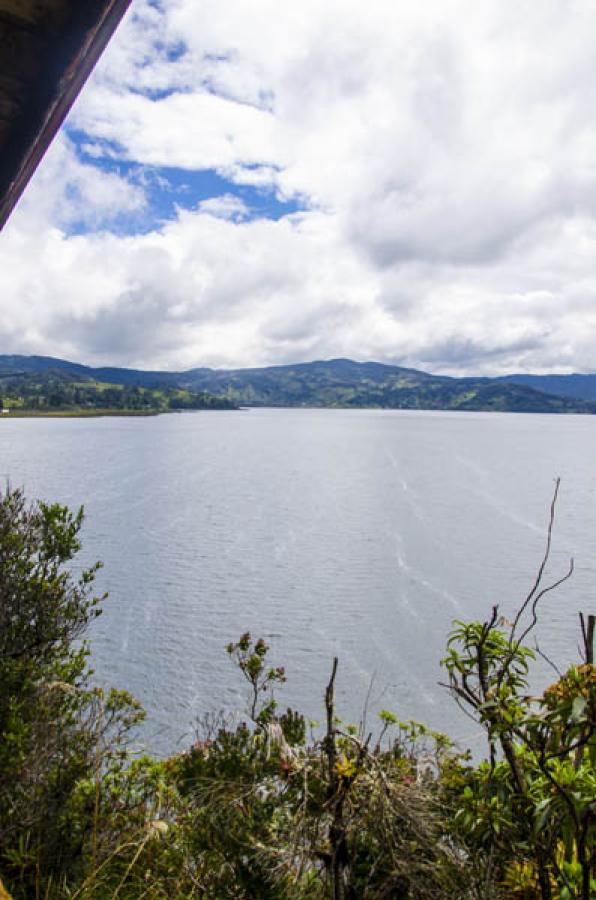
[(62, 391)]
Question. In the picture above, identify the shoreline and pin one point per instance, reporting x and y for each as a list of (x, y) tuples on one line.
[(79, 413)]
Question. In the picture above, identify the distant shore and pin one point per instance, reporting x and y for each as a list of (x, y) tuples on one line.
[(79, 413)]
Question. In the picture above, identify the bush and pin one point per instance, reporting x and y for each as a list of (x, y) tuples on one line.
[(257, 810), (58, 732)]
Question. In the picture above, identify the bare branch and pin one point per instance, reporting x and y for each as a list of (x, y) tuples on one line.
[(548, 660), (539, 597), (542, 567), (588, 637)]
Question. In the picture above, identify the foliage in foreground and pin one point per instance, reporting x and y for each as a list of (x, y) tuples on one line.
[(263, 809)]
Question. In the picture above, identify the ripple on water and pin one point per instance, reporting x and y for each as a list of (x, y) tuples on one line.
[(360, 534)]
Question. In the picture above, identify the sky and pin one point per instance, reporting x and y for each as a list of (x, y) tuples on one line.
[(249, 182)]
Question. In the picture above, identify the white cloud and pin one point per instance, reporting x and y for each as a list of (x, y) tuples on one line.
[(445, 153), (226, 206), (65, 192)]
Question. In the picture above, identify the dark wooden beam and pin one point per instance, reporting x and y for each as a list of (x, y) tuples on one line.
[(50, 58)]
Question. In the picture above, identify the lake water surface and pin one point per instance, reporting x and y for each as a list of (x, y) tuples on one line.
[(361, 534)]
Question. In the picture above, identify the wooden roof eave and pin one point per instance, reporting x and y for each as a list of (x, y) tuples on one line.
[(64, 57)]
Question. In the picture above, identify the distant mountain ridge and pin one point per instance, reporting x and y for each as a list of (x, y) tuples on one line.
[(582, 387), (45, 386), (343, 383)]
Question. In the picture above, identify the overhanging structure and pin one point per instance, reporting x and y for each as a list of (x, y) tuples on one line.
[(48, 48)]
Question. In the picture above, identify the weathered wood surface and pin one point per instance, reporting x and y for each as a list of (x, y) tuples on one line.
[(35, 13)]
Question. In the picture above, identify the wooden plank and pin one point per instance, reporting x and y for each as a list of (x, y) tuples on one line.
[(40, 13), (64, 66), (10, 106), (11, 86), (4, 132), (22, 52)]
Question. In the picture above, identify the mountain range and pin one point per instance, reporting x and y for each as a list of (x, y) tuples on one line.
[(335, 383)]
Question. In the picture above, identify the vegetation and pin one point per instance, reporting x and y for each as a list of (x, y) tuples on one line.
[(581, 386), (263, 808), (62, 392), (339, 383), (343, 383)]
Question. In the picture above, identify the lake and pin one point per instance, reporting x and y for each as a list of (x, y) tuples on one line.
[(360, 534)]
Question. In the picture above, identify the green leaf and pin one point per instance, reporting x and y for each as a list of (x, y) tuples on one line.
[(578, 708)]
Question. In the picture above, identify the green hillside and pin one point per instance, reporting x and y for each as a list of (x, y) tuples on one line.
[(343, 383), (338, 383), (64, 392), (581, 386)]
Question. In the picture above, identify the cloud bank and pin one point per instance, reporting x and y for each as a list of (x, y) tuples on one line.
[(432, 168)]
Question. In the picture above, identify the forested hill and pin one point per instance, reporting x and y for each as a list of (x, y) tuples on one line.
[(344, 383), (60, 391), (331, 383), (582, 387)]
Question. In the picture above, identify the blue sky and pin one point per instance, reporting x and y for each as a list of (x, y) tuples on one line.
[(411, 183), (168, 189)]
